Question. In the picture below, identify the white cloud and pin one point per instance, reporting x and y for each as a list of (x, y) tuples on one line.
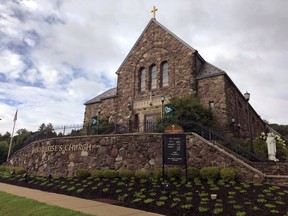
[(56, 55)]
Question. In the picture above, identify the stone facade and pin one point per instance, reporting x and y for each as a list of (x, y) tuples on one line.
[(188, 73), (230, 107), (63, 156)]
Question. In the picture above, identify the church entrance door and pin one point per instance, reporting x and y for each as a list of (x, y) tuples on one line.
[(150, 121)]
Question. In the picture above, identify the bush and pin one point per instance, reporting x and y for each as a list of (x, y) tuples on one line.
[(228, 174), (3, 168), (110, 174), (157, 173), (97, 173), (174, 172), (82, 173), (141, 174), (19, 170), (126, 173), (193, 172), (209, 173), (260, 147)]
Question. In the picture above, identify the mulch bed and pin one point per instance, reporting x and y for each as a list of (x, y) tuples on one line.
[(175, 197)]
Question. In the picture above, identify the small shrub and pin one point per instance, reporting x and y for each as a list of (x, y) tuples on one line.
[(174, 172), (228, 174), (141, 174), (126, 173), (19, 170), (110, 174), (157, 173), (209, 173), (97, 173), (193, 172), (82, 173)]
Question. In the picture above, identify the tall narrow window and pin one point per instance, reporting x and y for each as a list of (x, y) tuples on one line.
[(142, 77), (153, 81), (165, 75)]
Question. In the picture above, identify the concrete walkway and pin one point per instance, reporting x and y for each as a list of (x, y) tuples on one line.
[(78, 204)]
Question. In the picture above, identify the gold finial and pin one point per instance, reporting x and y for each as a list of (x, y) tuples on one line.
[(154, 9)]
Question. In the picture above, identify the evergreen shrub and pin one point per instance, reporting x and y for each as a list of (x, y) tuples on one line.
[(141, 174), (157, 173), (97, 173), (110, 174), (209, 173), (125, 173), (228, 174), (174, 172), (82, 173), (19, 170), (193, 172)]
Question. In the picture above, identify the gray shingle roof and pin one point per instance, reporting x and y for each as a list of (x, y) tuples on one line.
[(105, 95), (209, 70)]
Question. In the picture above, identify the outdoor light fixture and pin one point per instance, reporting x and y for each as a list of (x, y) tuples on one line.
[(233, 120), (98, 111), (247, 96), (162, 102)]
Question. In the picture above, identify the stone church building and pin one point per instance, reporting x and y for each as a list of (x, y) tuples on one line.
[(159, 66)]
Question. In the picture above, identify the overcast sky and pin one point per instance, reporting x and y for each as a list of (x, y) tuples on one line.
[(56, 55)]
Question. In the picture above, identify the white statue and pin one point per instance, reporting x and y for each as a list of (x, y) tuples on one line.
[(271, 145)]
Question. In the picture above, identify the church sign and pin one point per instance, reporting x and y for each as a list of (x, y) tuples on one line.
[(174, 146)]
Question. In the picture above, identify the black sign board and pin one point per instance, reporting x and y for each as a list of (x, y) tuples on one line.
[(174, 149), (174, 146)]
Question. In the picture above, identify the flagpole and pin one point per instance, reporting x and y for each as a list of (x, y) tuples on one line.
[(12, 135)]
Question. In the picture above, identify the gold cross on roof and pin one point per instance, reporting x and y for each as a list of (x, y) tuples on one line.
[(154, 9)]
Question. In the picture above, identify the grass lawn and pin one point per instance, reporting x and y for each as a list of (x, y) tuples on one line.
[(13, 205)]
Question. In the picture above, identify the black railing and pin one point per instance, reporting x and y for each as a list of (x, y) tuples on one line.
[(221, 140), (150, 127)]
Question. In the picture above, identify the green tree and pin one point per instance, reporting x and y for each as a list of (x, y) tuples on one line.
[(189, 108), (3, 151)]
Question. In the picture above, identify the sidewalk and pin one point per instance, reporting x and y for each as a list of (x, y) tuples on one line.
[(78, 204)]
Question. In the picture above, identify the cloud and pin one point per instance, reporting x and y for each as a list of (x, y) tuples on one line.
[(55, 55)]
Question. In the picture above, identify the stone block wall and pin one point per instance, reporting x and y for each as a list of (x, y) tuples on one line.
[(107, 107), (154, 47), (63, 156), (229, 103), (237, 109)]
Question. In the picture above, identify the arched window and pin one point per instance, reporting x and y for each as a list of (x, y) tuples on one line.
[(153, 81), (142, 77), (164, 74)]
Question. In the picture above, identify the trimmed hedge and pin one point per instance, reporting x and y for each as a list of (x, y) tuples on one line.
[(82, 173), (124, 173), (193, 172), (110, 174), (209, 173), (228, 174), (174, 172)]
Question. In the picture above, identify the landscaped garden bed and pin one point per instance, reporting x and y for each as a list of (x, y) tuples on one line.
[(175, 196)]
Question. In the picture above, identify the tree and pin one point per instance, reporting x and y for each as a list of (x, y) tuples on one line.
[(189, 108), (3, 151)]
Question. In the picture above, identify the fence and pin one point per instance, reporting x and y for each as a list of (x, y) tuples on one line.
[(149, 127)]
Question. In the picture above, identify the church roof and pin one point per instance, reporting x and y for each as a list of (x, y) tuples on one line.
[(209, 70), (140, 37), (105, 95)]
